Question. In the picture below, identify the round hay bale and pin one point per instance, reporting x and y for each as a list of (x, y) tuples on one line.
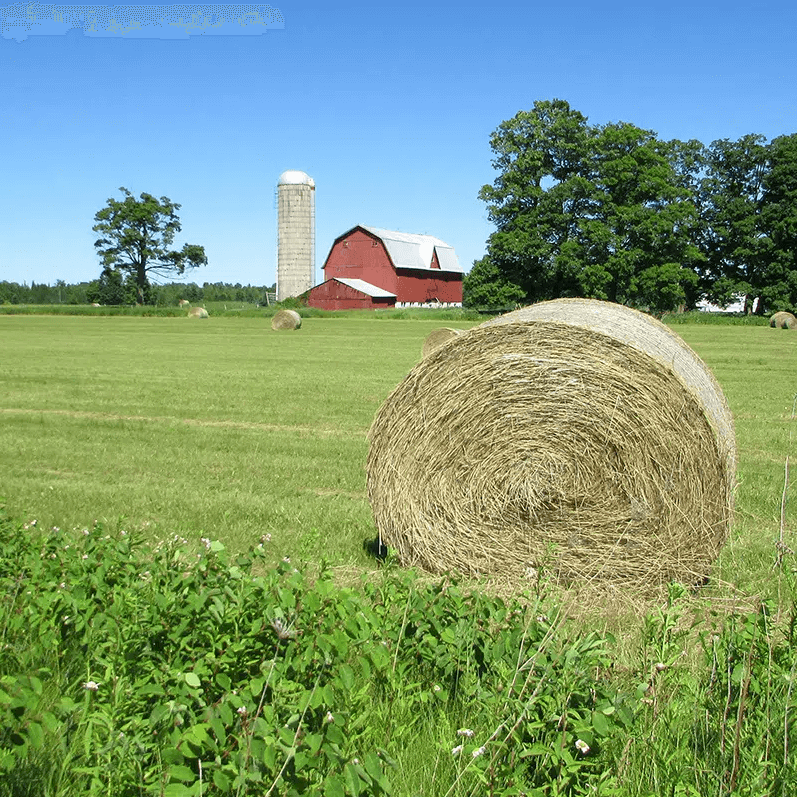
[(286, 319), (197, 312), (783, 320), (436, 338), (576, 437)]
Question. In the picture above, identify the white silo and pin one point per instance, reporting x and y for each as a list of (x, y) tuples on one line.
[(295, 234)]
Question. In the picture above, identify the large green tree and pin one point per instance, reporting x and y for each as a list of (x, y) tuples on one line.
[(135, 240), (595, 211), (737, 254), (779, 224)]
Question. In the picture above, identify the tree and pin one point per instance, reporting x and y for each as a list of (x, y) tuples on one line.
[(485, 286), (779, 224), (135, 236), (580, 210), (737, 254)]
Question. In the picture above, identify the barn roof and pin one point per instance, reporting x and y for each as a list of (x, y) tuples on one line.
[(365, 287), (410, 250)]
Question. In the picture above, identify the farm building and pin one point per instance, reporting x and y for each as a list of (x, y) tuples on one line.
[(369, 268)]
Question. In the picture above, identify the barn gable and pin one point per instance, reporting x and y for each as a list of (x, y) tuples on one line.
[(408, 250)]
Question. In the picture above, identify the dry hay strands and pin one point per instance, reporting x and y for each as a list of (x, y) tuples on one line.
[(437, 338), (783, 320), (286, 319), (532, 445), (197, 312)]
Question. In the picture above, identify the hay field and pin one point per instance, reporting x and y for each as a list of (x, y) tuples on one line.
[(230, 430)]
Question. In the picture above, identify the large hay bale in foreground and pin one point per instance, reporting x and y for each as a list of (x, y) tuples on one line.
[(783, 320), (286, 319), (577, 437), (436, 338), (197, 312)]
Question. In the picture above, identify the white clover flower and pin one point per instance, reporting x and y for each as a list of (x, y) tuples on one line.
[(582, 746), (355, 760), (56, 528), (330, 717), (92, 686), (85, 556), (62, 585), (242, 711), (436, 688), (282, 630), (479, 751), (457, 750), (466, 732), (286, 559)]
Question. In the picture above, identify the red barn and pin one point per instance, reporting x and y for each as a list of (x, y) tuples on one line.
[(370, 267)]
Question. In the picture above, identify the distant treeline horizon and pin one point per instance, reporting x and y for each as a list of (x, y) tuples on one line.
[(161, 295)]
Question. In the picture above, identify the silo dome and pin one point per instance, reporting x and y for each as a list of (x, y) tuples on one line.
[(294, 177)]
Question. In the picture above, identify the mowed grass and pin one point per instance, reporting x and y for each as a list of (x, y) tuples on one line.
[(220, 427), (224, 428)]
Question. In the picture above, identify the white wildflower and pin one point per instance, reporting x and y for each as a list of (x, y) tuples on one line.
[(457, 750), (582, 746), (437, 688), (465, 732), (242, 711), (330, 717), (479, 751), (92, 686)]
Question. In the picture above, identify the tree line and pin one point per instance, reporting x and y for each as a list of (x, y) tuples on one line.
[(113, 292), (613, 212)]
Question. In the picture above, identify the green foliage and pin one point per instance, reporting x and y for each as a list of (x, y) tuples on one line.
[(181, 669), (135, 236), (595, 211), (485, 287)]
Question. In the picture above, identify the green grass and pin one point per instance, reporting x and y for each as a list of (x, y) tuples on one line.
[(222, 427)]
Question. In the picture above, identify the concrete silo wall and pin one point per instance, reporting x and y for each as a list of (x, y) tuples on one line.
[(295, 238)]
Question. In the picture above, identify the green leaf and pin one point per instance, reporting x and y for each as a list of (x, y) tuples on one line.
[(600, 723), (171, 755), (333, 787), (177, 790), (221, 781), (192, 679), (182, 773), (36, 735), (352, 780), (373, 766)]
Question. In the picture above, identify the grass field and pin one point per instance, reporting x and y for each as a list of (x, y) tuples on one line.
[(228, 429), (132, 671), (225, 427)]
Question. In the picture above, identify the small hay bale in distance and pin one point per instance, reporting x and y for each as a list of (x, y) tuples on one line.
[(437, 338), (576, 437), (197, 312), (286, 319), (783, 320)]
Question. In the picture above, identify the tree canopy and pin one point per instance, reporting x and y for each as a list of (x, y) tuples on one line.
[(613, 212), (135, 240)]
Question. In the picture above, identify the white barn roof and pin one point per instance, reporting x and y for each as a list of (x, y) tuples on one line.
[(408, 250), (365, 287)]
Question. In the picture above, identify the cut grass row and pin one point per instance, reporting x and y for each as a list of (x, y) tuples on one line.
[(228, 429)]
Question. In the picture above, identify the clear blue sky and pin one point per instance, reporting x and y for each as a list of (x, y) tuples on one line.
[(388, 108)]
